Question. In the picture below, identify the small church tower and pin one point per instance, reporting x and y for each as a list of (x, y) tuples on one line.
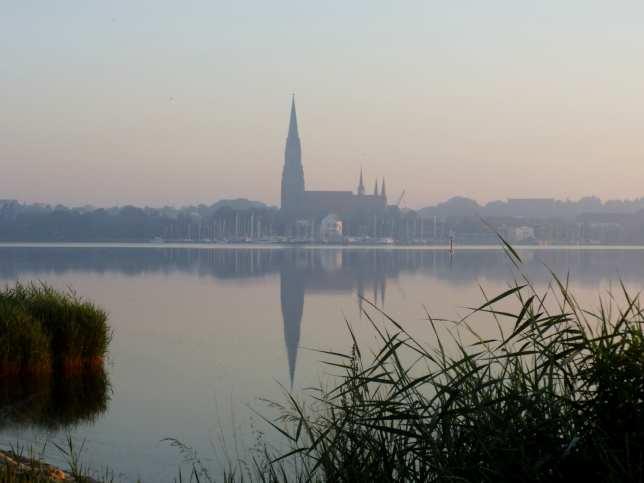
[(361, 185)]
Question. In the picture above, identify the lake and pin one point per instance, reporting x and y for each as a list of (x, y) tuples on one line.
[(203, 333)]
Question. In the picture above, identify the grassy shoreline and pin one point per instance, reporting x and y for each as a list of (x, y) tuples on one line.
[(19, 467)]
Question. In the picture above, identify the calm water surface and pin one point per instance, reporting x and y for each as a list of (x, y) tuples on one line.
[(202, 333)]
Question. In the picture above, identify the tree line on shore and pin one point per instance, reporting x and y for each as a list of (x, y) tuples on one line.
[(543, 221)]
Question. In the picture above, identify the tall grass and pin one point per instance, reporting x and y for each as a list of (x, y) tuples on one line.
[(24, 345), (556, 395), (52, 346), (35, 315)]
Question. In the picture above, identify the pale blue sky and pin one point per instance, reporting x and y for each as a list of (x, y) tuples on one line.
[(159, 102)]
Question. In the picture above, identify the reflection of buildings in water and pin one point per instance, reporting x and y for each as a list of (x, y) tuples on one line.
[(587, 267), (324, 271), (327, 270), (379, 287), (330, 260)]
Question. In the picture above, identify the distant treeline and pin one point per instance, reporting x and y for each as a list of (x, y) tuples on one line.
[(234, 220), (23, 222), (588, 220), (533, 207)]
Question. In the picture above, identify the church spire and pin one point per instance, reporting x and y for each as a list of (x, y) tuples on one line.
[(383, 190), (375, 188), (293, 172), (292, 125), (361, 185)]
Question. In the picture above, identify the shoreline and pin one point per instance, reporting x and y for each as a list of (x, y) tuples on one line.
[(16, 464)]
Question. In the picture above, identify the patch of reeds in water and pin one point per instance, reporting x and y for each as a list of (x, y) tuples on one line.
[(25, 348), (556, 395), (52, 376), (42, 328)]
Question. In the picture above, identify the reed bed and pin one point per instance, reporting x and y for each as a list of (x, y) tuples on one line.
[(52, 347), (42, 328), (556, 395), (24, 345)]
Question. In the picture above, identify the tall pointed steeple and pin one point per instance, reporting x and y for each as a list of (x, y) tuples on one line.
[(292, 124), (383, 190), (293, 172), (361, 185), (375, 188)]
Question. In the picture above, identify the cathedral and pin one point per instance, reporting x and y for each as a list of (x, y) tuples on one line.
[(300, 203)]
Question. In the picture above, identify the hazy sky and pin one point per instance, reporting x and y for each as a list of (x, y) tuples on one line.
[(168, 102)]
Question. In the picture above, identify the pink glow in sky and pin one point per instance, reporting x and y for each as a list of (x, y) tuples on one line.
[(156, 103)]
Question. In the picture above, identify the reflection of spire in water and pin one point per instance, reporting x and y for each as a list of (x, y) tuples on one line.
[(292, 300)]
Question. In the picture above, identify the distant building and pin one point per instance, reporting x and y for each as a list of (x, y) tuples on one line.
[(521, 233), (298, 203), (304, 230), (331, 228)]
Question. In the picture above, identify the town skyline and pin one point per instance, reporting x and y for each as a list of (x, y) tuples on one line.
[(133, 103), (362, 169), (361, 189)]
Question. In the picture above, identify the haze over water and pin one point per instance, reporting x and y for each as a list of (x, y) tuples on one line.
[(200, 333)]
